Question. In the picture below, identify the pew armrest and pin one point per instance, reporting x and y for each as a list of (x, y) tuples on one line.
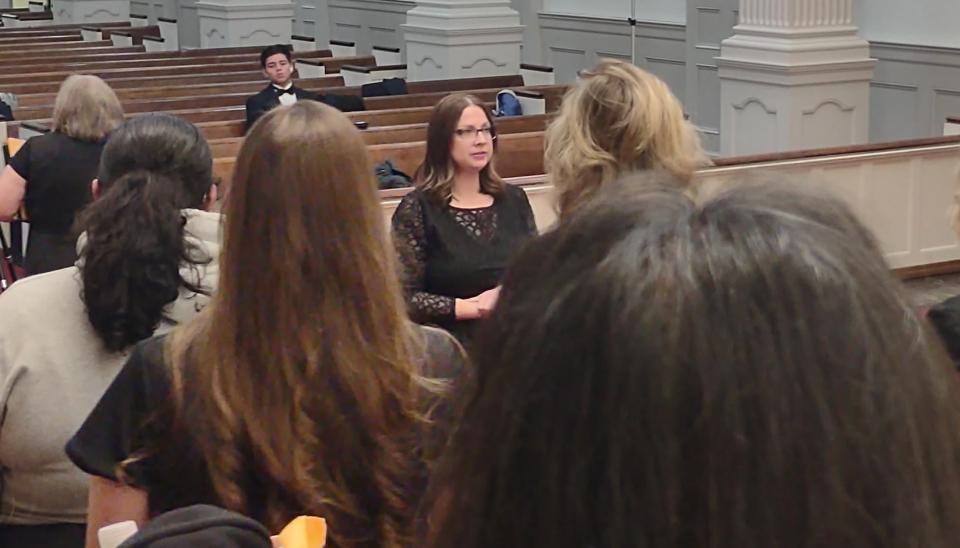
[(310, 68), (537, 75)]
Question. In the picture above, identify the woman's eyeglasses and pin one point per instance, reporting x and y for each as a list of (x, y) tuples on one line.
[(474, 132)]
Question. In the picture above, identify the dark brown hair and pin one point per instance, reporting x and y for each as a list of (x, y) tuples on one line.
[(436, 172), (151, 168), (300, 372), (270, 51), (733, 370)]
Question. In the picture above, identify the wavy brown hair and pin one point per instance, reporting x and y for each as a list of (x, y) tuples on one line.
[(299, 374), (618, 119), (738, 369), (435, 174)]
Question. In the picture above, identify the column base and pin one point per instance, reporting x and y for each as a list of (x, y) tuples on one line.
[(433, 54), (462, 38), (90, 11), (789, 90), (225, 24)]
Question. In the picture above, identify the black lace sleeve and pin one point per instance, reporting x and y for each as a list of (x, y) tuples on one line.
[(410, 238)]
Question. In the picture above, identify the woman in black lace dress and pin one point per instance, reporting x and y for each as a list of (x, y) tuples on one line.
[(458, 229)]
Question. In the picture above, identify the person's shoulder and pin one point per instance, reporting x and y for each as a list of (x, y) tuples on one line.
[(151, 351), (45, 311), (259, 96), (415, 199), (415, 195), (305, 93), (514, 191), (32, 292)]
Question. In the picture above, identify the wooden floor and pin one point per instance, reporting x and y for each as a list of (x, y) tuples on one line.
[(927, 291)]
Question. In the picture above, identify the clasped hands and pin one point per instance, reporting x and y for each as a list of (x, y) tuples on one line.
[(477, 307)]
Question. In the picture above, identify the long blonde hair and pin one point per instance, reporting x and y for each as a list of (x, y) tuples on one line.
[(86, 108), (300, 372), (618, 119)]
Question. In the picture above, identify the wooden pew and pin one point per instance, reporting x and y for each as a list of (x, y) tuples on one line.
[(373, 118), (133, 36), (29, 19), (36, 32), (252, 61), (201, 109), (172, 104), (900, 190), (125, 54), (553, 94), (11, 31), (44, 93), (14, 42), (172, 92), (26, 49), (407, 133), (88, 67), (134, 32), (14, 58), (188, 69), (144, 82), (518, 154), (952, 126)]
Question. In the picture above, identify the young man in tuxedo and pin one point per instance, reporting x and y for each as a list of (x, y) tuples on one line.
[(277, 64)]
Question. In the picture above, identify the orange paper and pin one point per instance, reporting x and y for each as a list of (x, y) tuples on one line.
[(304, 532)]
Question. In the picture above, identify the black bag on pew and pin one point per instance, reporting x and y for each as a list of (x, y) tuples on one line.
[(388, 176), (6, 113)]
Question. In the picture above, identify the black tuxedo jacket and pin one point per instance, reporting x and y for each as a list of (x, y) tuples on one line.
[(269, 98)]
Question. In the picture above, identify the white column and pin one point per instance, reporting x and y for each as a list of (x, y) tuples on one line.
[(462, 38), (229, 23), (794, 75), (90, 11)]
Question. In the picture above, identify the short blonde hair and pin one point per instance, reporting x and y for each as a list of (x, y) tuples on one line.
[(617, 119), (86, 108)]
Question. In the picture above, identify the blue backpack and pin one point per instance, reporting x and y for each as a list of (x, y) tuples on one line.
[(507, 104)]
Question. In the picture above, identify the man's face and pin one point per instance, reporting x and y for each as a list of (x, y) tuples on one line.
[(278, 69)]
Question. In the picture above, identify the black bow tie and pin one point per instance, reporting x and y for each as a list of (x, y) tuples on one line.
[(284, 91)]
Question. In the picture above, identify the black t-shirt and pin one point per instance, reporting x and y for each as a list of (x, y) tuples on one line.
[(58, 170), (135, 418)]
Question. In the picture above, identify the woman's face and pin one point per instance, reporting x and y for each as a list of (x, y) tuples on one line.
[(472, 145)]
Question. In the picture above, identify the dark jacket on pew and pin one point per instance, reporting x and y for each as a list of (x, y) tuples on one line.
[(6, 113)]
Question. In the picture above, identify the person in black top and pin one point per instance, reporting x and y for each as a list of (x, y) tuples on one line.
[(458, 229), (302, 388), (277, 64), (51, 175)]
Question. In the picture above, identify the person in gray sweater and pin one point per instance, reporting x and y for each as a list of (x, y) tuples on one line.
[(147, 260)]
